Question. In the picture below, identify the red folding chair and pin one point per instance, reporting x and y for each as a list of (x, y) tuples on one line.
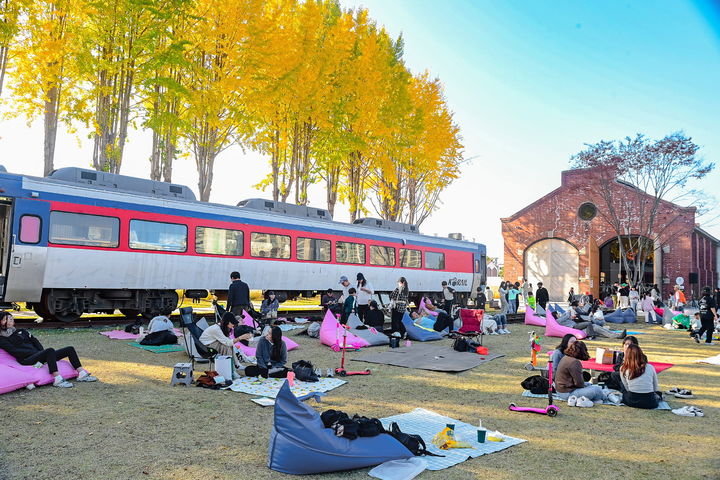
[(471, 324)]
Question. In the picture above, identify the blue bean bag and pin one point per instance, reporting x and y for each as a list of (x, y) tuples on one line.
[(622, 316), (417, 333), (301, 445), (558, 309)]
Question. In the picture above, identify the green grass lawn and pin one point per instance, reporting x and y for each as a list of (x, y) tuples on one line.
[(132, 424)]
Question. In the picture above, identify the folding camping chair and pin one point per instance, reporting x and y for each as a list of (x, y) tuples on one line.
[(471, 324), (193, 345)]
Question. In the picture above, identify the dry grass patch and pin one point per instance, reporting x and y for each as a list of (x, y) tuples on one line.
[(132, 424)]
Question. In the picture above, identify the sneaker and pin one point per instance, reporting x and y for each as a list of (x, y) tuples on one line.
[(584, 402), (615, 398), (688, 411), (494, 333), (697, 338), (85, 377), (507, 332), (673, 391), (623, 334), (709, 343), (330, 373), (61, 382), (684, 393), (572, 401)]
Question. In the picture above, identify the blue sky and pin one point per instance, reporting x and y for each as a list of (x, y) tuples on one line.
[(530, 82)]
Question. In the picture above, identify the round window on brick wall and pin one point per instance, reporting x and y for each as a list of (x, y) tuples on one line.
[(587, 211)]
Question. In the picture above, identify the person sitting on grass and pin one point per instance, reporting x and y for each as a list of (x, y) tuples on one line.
[(269, 306), (28, 350), (559, 351), (569, 382), (271, 356), (374, 317), (500, 320), (639, 379)]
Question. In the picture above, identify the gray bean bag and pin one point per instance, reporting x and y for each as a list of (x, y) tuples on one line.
[(371, 335)]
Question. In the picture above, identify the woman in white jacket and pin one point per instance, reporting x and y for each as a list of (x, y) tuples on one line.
[(364, 295)]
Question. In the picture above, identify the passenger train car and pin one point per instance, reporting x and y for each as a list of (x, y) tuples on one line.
[(87, 241)]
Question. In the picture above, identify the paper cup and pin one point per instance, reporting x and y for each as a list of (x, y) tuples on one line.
[(481, 435)]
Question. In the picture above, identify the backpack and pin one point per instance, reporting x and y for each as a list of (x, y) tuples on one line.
[(464, 345), (412, 442), (536, 384), (368, 427), (163, 337), (609, 380), (304, 371), (313, 330)]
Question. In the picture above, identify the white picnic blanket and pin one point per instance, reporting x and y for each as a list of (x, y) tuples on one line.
[(427, 423), (269, 387), (713, 360)]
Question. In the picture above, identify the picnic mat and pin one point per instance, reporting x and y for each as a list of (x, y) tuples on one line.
[(428, 357), (593, 365), (629, 333), (123, 335), (713, 360), (427, 423), (158, 348), (269, 387), (662, 405), (285, 327)]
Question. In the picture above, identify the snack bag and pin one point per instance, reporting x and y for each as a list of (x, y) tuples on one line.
[(446, 439)]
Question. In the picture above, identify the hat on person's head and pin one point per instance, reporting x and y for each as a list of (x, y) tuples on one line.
[(343, 279)]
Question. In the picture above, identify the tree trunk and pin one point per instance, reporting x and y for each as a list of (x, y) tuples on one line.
[(206, 149), (4, 51), (51, 124), (275, 163), (332, 182)]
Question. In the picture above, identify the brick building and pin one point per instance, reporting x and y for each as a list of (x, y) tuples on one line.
[(565, 239)]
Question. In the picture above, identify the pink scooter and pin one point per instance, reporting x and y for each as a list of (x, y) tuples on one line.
[(551, 410)]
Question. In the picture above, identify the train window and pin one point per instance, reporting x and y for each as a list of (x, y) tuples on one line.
[(82, 229), (346, 252), (410, 258), (30, 229), (218, 241), (477, 266), (383, 256), (267, 245), (313, 249), (167, 237), (435, 260)]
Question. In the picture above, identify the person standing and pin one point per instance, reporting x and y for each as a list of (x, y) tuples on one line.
[(526, 288), (349, 306), (634, 298), (648, 307), (480, 299), (678, 298), (513, 293), (364, 295), (655, 293), (238, 296), (624, 293), (398, 305), (345, 287), (614, 293), (489, 296), (542, 297), (448, 297), (571, 295), (708, 317), (502, 292)]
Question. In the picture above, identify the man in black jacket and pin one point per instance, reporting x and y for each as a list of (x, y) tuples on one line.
[(28, 350), (238, 298), (542, 297)]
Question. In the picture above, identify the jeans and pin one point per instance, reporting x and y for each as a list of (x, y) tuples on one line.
[(501, 320), (51, 356), (707, 325), (598, 331), (513, 305), (590, 391)]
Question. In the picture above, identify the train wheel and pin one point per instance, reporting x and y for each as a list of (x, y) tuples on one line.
[(130, 312), (65, 317), (41, 311)]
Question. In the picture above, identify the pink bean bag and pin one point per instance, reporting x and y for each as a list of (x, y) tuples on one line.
[(331, 334), (250, 352), (12, 379), (422, 306), (532, 318), (554, 329), (38, 376)]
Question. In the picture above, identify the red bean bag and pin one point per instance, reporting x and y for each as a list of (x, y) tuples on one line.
[(554, 329), (532, 318)]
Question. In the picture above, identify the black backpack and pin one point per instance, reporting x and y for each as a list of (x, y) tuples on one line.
[(464, 345), (304, 371), (536, 384), (412, 442), (368, 427)]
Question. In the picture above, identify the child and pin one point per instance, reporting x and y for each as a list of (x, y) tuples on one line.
[(350, 305), (531, 300), (480, 299)]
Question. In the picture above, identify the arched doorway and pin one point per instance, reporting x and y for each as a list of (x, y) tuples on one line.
[(613, 269), (555, 263)]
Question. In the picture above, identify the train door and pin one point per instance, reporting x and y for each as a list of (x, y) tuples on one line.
[(479, 272), (27, 250), (5, 236)]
